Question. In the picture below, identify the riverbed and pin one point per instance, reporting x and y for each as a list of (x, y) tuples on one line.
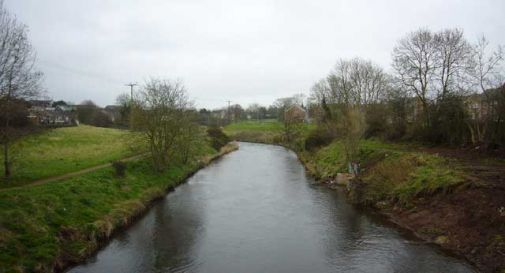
[(257, 210)]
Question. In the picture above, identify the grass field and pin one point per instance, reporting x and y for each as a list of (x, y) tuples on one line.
[(264, 131), (64, 150), (268, 125)]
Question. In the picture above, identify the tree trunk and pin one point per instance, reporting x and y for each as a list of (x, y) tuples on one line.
[(472, 133), (7, 172)]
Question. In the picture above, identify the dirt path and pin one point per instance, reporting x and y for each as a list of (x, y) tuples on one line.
[(72, 174)]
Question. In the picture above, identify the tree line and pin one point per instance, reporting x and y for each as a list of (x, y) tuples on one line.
[(442, 89)]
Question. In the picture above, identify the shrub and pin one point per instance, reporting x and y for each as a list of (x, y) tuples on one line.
[(449, 122), (101, 119), (217, 138), (120, 168), (376, 116), (318, 138)]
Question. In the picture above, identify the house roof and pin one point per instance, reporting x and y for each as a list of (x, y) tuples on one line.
[(295, 106), (41, 103), (65, 108), (112, 108)]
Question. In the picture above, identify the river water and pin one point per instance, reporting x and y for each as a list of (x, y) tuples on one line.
[(256, 210)]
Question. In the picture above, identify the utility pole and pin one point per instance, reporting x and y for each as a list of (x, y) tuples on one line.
[(131, 85), (229, 116)]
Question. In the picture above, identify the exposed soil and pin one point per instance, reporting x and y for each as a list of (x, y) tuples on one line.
[(470, 222), (471, 219)]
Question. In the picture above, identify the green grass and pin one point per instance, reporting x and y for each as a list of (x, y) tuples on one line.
[(268, 125), (264, 131), (326, 162), (64, 221), (391, 172), (434, 174), (64, 150)]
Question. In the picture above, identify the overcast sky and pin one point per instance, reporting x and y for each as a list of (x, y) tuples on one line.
[(243, 51)]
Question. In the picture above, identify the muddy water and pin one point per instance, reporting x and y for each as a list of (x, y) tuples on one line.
[(256, 210)]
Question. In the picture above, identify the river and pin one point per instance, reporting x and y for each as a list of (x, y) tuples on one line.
[(256, 210)]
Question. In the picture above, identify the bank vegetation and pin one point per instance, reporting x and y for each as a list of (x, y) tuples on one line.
[(48, 226)]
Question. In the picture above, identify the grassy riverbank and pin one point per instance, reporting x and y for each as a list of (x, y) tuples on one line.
[(265, 131), (63, 150), (50, 226), (442, 198), (391, 172)]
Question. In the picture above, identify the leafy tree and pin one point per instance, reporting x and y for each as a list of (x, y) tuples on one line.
[(86, 112)]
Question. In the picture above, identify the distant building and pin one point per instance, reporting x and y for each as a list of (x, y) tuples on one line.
[(414, 109), (479, 106), (219, 114), (113, 112), (483, 106), (42, 112), (296, 113)]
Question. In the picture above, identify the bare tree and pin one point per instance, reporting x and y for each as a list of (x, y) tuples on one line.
[(19, 80), (415, 61), (235, 112), (487, 73), (254, 110), (320, 91), (162, 112), (369, 81), (341, 83), (454, 54), (356, 81)]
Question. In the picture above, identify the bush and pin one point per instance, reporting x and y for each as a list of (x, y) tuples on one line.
[(318, 138), (217, 138), (120, 168), (376, 117), (449, 122), (101, 119)]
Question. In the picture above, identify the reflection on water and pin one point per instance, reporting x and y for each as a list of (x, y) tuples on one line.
[(256, 210)]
